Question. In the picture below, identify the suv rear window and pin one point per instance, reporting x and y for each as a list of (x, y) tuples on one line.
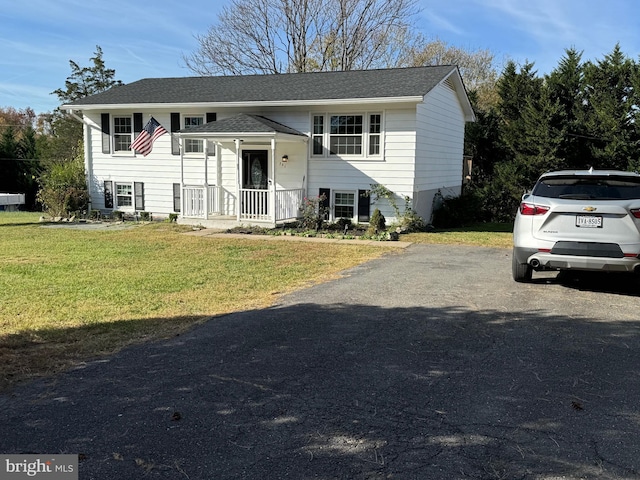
[(589, 188)]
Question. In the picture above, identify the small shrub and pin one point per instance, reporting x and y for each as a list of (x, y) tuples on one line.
[(377, 223), (145, 216), (409, 220), (313, 213), (173, 217), (344, 224)]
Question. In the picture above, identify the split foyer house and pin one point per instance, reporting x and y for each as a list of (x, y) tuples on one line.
[(250, 149)]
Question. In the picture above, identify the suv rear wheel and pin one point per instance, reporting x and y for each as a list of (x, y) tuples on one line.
[(522, 272)]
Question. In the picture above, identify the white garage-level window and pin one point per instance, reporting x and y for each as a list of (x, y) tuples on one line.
[(344, 204), (124, 195)]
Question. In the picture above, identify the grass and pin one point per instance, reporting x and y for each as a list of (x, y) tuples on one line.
[(69, 295), (496, 235)]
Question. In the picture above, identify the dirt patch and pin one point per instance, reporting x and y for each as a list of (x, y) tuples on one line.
[(93, 225)]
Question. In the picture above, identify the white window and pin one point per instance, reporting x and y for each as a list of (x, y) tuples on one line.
[(122, 133), (353, 135), (190, 145), (344, 204), (124, 195), (318, 134), (345, 135), (375, 130)]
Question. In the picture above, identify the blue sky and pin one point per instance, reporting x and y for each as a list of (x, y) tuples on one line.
[(142, 39)]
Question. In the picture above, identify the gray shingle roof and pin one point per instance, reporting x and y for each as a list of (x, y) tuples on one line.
[(245, 124), (387, 83)]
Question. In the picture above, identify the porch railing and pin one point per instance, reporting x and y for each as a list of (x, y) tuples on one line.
[(254, 203), (193, 201), (215, 201), (288, 203)]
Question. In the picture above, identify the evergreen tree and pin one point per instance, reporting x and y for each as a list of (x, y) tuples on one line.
[(518, 90), (611, 103), (66, 131), (566, 84), (29, 166), (11, 168)]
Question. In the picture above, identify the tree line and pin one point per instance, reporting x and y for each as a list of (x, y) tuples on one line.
[(42, 155), (582, 114)]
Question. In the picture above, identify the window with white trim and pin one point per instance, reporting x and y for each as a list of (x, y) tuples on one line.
[(191, 145), (344, 204), (375, 130), (318, 134), (122, 134), (347, 135), (124, 195)]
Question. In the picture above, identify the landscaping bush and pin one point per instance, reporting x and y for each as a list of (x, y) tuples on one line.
[(313, 213), (458, 211), (63, 188), (377, 223)]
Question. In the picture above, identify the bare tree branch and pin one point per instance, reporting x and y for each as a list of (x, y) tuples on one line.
[(276, 36)]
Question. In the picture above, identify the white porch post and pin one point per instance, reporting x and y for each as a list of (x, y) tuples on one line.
[(206, 178), (272, 182), (182, 195), (219, 201), (238, 142)]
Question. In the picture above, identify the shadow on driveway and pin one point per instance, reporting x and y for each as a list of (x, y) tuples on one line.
[(341, 390)]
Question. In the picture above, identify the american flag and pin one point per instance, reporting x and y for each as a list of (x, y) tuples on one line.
[(144, 141)]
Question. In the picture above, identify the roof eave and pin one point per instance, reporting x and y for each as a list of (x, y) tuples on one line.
[(252, 104), (456, 77), (228, 136)]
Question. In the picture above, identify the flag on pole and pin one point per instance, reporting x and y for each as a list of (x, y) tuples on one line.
[(144, 141)]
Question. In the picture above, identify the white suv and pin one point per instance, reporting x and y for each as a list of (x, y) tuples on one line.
[(578, 220)]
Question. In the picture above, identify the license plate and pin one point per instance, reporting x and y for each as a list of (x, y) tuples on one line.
[(588, 221)]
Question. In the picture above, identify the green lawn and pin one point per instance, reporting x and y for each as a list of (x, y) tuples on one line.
[(70, 294), (497, 235)]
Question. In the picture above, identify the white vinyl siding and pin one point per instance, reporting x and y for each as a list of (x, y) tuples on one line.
[(440, 146), (394, 168)]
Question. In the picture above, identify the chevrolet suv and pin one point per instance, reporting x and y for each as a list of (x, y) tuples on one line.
[(578, 220)]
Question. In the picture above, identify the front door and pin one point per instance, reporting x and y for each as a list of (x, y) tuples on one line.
[(255, 180), (255, 173)]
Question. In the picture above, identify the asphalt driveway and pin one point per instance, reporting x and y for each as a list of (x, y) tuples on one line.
[(426, 364)]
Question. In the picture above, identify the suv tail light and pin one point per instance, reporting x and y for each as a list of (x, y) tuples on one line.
[(532, 209), (635, 212)]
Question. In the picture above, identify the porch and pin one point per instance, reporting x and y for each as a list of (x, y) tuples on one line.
[(218, 206)]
